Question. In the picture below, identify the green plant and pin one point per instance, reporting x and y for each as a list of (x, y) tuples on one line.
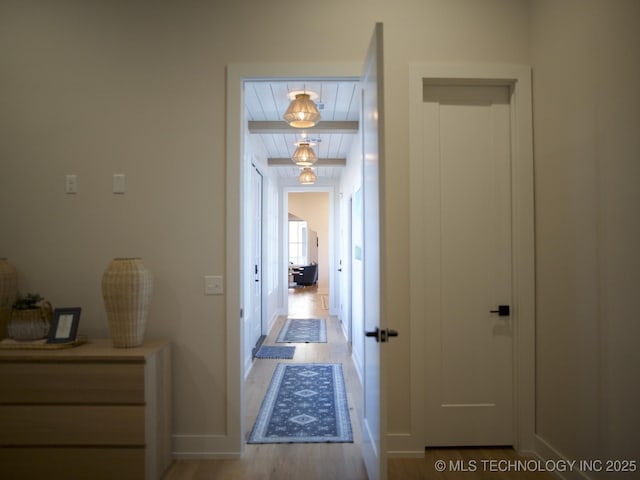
[(28, 301)]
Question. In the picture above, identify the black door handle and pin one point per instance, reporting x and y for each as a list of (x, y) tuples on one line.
[(375, 333), (502, 311), (382, 336)]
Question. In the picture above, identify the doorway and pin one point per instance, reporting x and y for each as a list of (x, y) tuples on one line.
[(238, 75), (309, 244)]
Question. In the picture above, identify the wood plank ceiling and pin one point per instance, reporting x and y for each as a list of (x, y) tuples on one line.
[(339, 106)]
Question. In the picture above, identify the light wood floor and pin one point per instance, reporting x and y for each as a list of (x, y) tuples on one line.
[(338, 461)]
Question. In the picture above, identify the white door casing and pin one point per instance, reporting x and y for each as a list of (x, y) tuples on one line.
[(232, 442), (515, 78)]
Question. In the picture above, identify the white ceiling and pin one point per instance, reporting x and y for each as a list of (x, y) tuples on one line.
[(338, 101)]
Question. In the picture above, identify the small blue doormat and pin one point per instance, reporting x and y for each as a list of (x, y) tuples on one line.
[(269, 351), (303, 330), (305, 403)]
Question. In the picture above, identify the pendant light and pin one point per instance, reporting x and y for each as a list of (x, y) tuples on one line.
[(307, 177), (302, 112), (304, 156)]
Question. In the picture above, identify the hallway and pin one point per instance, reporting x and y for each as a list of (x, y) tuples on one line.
[(309, 461), (312, 461)]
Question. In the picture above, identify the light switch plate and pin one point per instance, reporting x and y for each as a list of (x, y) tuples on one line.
[(118, 183), (213, 285), (71, 184)]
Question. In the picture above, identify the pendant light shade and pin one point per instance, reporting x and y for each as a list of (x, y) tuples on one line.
[(304, 156), (302, 112), (307, 177)]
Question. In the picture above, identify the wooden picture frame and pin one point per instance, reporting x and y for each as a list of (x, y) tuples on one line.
[(64, 325)]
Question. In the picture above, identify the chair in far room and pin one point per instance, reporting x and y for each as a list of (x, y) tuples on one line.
[(306, 275)]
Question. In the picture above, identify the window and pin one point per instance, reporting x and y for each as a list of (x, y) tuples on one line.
[(298, 242)]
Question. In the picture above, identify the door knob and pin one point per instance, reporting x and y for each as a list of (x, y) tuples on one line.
[(382, 336), (502, 311), (375, 333)]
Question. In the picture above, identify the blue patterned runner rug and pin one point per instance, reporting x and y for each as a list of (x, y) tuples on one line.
[(305, 403), (303, 330), (270, 351)]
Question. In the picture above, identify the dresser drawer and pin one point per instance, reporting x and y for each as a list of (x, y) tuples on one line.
[(73, 463), (86, 383), (72, 425)]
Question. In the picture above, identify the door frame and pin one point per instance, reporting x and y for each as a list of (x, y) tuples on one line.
[(236, 172), (518, 78)]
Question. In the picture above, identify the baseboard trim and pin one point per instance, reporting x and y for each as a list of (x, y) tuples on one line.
[(205, 456), (357, 364), (403, 454), (274, 317), (202, 447), (546, 451), (403, 445)]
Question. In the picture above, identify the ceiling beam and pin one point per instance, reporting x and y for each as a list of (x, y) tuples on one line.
[(283, 127), (321, 162)]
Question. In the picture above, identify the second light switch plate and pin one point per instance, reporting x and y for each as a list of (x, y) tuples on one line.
[(118, 183)]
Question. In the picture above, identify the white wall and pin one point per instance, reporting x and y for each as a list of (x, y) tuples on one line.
[(587, 154), (351, 182), (100, 87)]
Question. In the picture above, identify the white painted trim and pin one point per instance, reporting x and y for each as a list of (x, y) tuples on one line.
[(545, 451), (519, 78), (403, 445), (358, 365), (202, 447), (272, 320), (233, 440), (233, 267)]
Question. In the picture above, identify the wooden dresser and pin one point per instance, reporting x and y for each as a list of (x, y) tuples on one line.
[(92, 411)]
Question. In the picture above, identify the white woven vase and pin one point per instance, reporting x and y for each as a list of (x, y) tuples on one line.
[(127, 286)]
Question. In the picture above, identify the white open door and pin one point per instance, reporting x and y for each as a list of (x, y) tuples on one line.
[(373, 401)]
